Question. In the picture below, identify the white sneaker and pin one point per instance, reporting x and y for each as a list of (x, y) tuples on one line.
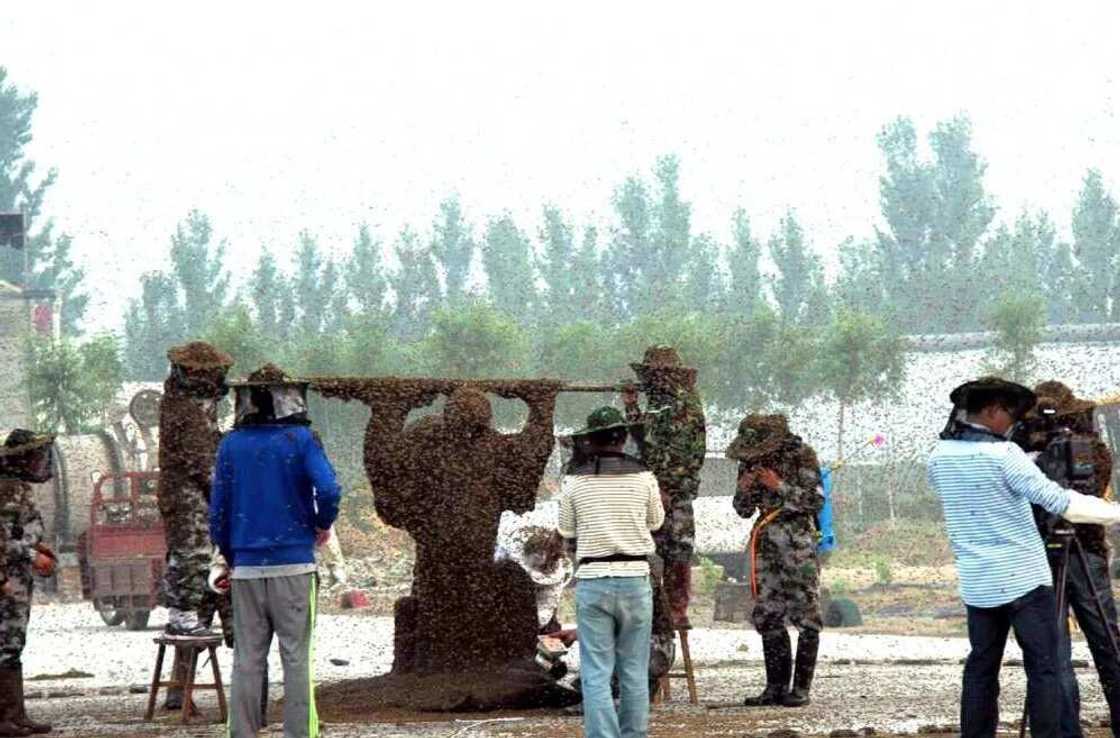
[(184, 624)]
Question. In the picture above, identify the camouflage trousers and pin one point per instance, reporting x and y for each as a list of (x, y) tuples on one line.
[(188, 560), (788, 590), (676, 538), (222, 605), (15, 612)]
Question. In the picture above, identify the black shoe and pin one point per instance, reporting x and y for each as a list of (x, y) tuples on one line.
[(796, 698), (774, 694)]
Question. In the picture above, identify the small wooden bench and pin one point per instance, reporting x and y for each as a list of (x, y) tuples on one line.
[(191, 647)]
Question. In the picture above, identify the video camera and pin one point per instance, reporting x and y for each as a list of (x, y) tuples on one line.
[(1065, 455)]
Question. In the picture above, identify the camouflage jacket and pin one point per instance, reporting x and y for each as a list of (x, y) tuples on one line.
[(798, 499), (21, 528), (672, 438)]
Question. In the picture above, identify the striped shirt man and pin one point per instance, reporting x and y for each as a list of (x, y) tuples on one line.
[(610, 507), (986, 492)]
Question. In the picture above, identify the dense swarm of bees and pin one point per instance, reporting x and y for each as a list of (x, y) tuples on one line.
[(446, 479)]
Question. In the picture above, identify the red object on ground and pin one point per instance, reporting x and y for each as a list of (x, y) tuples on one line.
[(354, 599)]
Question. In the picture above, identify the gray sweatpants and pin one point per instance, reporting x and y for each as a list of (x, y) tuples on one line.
[(284, 606)]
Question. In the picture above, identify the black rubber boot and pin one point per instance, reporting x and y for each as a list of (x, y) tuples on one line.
[(10, 706), (21, 717), (776, 651), (808, 643)]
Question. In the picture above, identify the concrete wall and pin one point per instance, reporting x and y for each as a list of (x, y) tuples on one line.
[(15, 326), (911, 423)]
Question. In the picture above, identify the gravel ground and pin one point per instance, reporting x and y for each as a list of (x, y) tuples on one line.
[(894, 684)]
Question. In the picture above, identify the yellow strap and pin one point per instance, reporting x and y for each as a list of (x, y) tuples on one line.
[(762, 523)]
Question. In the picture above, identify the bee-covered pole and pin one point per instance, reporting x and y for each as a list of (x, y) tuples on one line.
[(596, 388)]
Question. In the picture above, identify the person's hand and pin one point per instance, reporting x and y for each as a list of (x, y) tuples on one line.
[(219, 579), (769, 479), (567, 637), (42, 564), (322, 536), (7, 588)]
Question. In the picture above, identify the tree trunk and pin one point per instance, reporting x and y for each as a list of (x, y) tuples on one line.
[(892, 481), (840, 434)]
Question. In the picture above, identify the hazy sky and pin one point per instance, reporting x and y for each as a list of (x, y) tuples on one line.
[(277, 117)]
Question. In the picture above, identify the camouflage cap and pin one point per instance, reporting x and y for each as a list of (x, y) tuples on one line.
[(20, 441), (27, 456), (199, 355), (759, 435), (663, 359)]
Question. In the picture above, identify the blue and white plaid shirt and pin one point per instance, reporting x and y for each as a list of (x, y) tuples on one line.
[(986, 491)]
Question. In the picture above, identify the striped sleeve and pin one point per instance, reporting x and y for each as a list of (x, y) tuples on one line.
[(567, 515), (1024, 478), (655, 515)]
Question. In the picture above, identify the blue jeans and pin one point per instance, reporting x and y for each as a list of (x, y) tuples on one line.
[(1034, 619), (614, 616)]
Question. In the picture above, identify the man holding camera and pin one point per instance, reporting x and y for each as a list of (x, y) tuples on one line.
[(987, 484), (1060, 432)]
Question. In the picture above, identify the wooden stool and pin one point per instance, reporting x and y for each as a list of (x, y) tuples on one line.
[(663, 688), (192, 646)]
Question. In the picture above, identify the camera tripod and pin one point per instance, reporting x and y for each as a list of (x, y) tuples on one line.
[(1064, 539)]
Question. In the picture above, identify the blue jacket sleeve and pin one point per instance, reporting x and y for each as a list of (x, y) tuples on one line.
[(220, 504), (327, 492)]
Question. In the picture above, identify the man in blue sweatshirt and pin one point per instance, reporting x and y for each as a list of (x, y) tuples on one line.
[(274, 498)]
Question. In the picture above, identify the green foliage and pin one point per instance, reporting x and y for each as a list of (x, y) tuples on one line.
[(709, 575), (884, 575), (72, 384), (859, 359), (45, 262), (364, 274), (745, 288), (235, 333), (506, 258), (453, 248), (476, 340), (800, 278), (1096, 244), (177, 306), (415, 287), (152, 324), (198, 268), (1018, 320), (936, 212)]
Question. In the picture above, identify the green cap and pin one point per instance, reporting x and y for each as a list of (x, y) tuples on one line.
[(605, 418)]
